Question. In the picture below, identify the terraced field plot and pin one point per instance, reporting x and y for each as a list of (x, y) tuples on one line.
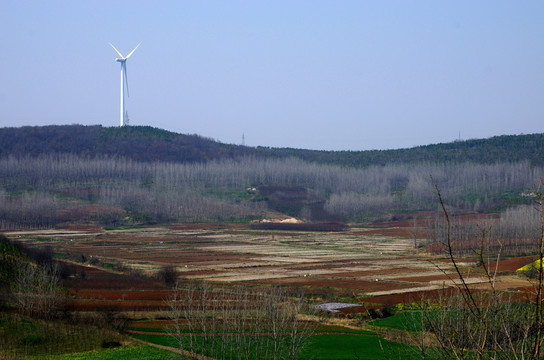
[(363, 265)]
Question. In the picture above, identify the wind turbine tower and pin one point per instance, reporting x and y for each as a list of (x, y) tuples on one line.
[(124, 82)]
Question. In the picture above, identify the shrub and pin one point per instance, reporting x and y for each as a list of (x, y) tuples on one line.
[(168, 274)]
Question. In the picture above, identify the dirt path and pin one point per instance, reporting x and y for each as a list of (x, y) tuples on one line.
[(178, 351), (138, 332)]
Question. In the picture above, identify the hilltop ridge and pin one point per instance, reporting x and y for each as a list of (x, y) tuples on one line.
[(145, 143)]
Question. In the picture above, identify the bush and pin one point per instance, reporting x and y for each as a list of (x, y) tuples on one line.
[(168, 274), (110, 344)]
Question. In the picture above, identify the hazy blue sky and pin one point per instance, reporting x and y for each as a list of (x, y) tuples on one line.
[(335, 75)]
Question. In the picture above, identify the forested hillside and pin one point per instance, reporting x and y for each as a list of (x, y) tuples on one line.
[(143, 143), (505, 148), (57, 175), (139, 143)]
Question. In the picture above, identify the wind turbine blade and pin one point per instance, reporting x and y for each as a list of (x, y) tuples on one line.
[(117, 51), (126, 77), (133, 50)]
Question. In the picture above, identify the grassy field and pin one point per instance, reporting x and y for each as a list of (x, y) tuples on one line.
[(353, 347), (406, 321), (140, 352), (329, 346)]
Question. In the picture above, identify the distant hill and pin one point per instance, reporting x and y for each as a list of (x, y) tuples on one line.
[(505, 148), (144, 143)]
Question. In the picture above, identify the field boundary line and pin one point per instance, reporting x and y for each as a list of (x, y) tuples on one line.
[(139, 332), (173, 349)]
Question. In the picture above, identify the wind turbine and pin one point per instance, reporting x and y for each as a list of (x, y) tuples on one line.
[(124, 80)]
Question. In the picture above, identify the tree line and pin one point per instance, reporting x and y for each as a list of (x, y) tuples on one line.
[(53, 189)]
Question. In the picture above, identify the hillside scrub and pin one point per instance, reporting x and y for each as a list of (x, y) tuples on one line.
[(29, 280), (53, 189), (23, 336)]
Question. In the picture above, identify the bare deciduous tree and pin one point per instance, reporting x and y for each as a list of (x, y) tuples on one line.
[(490, 324), (37, 291), (238, 323), (161, 192)]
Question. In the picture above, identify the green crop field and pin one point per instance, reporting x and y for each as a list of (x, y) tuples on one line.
[(406, 320), (330, 347), (352, 347), (141, 352)]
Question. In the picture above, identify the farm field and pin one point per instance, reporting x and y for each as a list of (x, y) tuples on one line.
[(364, 265), (351, 273)]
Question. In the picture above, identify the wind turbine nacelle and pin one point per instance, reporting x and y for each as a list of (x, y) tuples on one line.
[(120, 60)]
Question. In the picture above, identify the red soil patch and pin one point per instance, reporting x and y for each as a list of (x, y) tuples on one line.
[(115, 305), (99, 279), (97, 290), (128, 295), (88, 228), (511, 265), (424, 279), (377, 273), (393, 232), (153, 324), (106, 284), (341, 264), (193, 257), (363, 285), (410, 297), (521, 294), (206, 226), (85, 211)]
